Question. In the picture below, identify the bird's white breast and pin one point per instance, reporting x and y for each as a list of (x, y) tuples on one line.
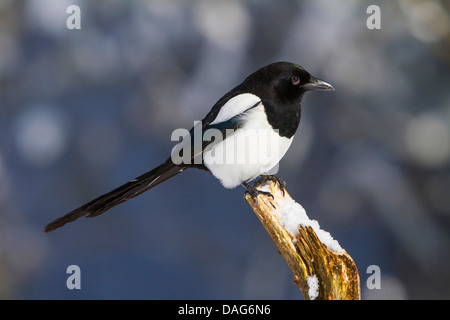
[(252, 150)]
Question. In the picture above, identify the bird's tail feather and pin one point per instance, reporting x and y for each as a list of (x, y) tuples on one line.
[(121, 194)]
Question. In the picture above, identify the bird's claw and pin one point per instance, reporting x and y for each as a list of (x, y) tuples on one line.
[(272, 178), (254, 193)]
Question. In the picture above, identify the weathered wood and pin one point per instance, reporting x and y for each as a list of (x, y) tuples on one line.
[(310, 260)]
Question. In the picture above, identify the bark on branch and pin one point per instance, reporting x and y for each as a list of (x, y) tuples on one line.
[(321, 268)]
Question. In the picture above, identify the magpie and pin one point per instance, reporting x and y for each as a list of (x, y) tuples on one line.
[(267, 103)]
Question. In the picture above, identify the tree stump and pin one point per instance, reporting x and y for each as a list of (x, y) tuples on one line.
[(321, 268)]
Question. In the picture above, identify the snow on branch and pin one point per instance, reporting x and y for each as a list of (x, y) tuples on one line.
[(322, 269)]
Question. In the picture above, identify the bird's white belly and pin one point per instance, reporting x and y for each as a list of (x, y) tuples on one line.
[(252, 150)]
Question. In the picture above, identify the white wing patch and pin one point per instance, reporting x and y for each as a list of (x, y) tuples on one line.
[(235, 106)]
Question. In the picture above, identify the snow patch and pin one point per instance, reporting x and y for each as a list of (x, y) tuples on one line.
[(291, 215), (313, 285)]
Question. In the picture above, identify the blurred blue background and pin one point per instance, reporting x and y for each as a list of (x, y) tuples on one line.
[(83, 111)]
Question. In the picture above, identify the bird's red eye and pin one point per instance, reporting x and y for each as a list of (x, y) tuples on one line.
[(295, 80)]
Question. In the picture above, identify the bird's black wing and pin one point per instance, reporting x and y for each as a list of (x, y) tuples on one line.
[(213, 132), (212, 114)]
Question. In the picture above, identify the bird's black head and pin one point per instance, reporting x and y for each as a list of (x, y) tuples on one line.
[(285, 81), (281, 86)]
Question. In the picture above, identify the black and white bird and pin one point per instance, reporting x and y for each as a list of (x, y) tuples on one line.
[(265, 106)]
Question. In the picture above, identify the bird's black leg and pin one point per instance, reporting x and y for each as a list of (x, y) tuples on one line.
[(273, 178), (251, 190)]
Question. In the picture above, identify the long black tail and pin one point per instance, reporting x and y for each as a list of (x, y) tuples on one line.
[(123, 193)]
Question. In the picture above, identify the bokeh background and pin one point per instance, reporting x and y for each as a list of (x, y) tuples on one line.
[(83, 111)]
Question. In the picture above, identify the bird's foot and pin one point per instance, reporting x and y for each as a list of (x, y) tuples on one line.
[(253, 192), (272, 178)]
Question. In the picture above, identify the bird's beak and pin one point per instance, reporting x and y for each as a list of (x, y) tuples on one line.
[(315, 84)]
